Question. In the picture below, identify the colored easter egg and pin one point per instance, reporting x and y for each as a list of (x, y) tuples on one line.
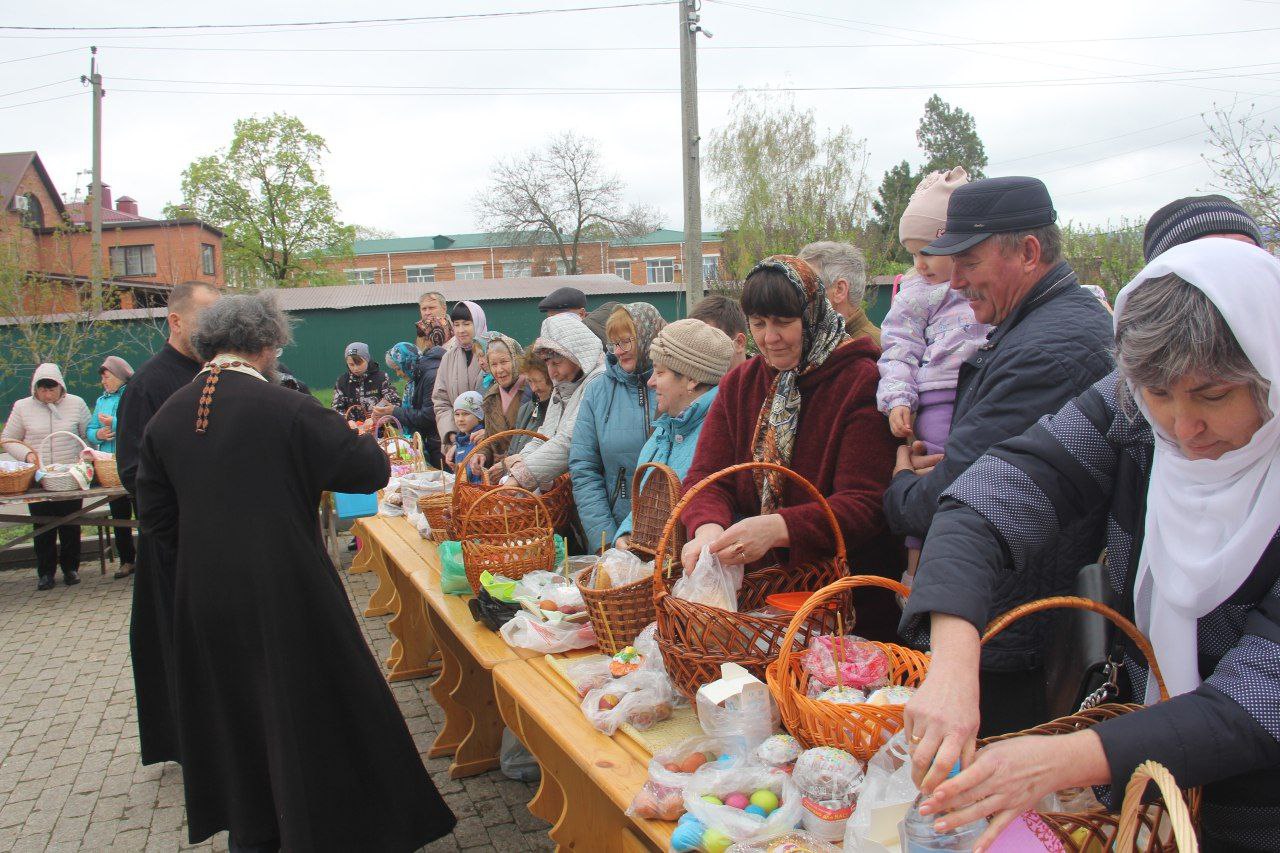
[(686, 837), (687, 817), (756, 810), (712, 800), (737, 801), (765, 799), (693, 762), (715, 841), (672, 767)]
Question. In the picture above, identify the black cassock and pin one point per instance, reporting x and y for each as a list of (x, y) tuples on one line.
[(149, 625), (287, 727)]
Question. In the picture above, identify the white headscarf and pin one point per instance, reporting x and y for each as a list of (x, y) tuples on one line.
[(1209, 520)]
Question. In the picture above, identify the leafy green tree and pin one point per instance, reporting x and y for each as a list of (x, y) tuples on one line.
[(949, 137), (779, 183), (1108, 256), (266, 193), (891, 200)]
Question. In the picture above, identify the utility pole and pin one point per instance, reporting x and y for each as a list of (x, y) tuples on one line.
[(95, 187), (690, 160)]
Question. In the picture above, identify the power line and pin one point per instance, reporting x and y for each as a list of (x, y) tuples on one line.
[(41, 86), (417, 19), (44, 100), (1129, 180), (40, 55)]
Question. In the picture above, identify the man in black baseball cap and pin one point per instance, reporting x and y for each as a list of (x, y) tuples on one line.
[(1051, 341)]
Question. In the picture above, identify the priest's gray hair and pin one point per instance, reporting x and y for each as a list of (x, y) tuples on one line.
[(242, 325), (1169, 330)]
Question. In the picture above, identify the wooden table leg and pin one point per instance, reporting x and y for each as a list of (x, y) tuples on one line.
[(472, 730), (415, 642), (548, 802), (383, 600)]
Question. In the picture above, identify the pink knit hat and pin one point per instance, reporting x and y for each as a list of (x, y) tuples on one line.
[(926, 215)]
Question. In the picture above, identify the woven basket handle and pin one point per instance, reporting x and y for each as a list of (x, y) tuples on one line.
[(669, 475), (490, 439), (660, 588), (383, 421), (357, 408), (542, 507), (1073, 603), (49, 438), (834, 588), (29, 448), (1184, 833)]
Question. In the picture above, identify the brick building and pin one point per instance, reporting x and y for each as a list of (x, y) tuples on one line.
[(653, 258), (142, 258)]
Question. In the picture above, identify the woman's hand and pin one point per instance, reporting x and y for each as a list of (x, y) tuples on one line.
[(900, 421), (750, 539), (478, 436), (941, 719), (106, 420), (449, 453), (916, 459), (105, 434), (702, 538), (1010, 777), (622, 542), (382, 410), (476, 464)]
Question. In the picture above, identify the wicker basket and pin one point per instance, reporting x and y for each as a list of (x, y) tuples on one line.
[(620, 613), (1181, 826), (696, 638), (105, 470), (493, 543), (390, 436), (63, 478), (18, 482), (1097, 829), (857, 729), (438, 508), (521, 508)]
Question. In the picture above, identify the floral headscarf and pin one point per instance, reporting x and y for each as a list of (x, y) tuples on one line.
[(648, 322), (824, 330), (437, 330), (404, 355)]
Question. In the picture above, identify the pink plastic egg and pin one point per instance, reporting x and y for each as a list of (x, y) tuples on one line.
[(737, 801)]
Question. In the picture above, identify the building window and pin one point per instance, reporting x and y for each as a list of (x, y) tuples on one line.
[(516, 269), (365, 276), (468, 272), (206, 259), (420, 275), (32, 210), (133, 260), (661, 270), (622, 269), (710, 267)]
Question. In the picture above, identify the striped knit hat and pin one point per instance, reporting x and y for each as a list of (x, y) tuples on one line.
[(1194, 217)]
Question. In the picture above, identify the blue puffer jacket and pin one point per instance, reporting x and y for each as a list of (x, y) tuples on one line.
[(614, 422), (673, 442), (108, 404)]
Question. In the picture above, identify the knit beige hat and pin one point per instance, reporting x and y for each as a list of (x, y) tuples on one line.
[(926, 215), (694, 349)]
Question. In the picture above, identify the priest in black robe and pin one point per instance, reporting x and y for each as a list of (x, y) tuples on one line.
[(150, 623), (291, 738)]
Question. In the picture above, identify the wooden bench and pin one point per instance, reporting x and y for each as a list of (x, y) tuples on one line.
[(370, 558), (588, 779)]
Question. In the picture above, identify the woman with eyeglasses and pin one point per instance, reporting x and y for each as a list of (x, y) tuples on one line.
[(614, 422)]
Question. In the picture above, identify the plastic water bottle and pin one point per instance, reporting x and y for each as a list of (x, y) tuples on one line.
[(917, 835)]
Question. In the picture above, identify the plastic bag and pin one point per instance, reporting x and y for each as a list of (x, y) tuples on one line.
[(617, 568), (750, 717), (670, 771), (588, 674), (887, 783), (526, 631), (516, 761), (829, 780), (453, 575), (779, 751), (535, 585), (749, 781), (642, 699), (711, 583), (862, 664), (800, 841)]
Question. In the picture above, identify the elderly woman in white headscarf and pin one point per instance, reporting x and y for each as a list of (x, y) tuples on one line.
[(1177, 457)]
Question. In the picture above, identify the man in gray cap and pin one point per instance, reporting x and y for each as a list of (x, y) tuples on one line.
[(1051, 340), (570, 300)]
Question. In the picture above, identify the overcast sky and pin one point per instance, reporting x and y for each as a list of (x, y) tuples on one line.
[(1110, 143)]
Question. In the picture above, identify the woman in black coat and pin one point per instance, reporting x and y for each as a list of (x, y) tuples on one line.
[(416, 413)]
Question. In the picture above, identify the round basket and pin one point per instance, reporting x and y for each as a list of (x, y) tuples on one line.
[(620, 613), (557, 500), (493, 543), (857, 729), (105, 469), (438, 508), (405, 454), (1098, 829), (72, 477), (696, 638), (19, 481)]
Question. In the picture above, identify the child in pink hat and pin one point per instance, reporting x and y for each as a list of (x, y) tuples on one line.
[(928, 333)]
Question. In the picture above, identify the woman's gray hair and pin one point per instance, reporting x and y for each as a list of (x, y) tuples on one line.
[(243, 325), (1170, 329)]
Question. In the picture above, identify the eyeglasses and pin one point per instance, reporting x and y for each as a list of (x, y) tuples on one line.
[(622, 346)]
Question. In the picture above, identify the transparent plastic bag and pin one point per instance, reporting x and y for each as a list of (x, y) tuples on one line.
[(829, 781), (617, 568), (780, 751), (801, 841), (526, 631), (670, 771), (739, 824), (887, 783), (711, 583), (516, 761), (588, 674), (749, 718), (642, 699)]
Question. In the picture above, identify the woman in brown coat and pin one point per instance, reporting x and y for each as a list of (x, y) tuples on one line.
[(504, 397)]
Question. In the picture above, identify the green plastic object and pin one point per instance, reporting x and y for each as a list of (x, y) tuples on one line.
[(453, 574)]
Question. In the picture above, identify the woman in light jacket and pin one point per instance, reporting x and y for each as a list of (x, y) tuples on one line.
[(50, 409), (115, 373), (614, 422), (460, 370)]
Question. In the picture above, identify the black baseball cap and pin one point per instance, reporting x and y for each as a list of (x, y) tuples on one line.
[(992, 206), (563, 299)]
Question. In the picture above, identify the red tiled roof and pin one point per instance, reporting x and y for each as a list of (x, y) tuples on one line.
[(80, 213)]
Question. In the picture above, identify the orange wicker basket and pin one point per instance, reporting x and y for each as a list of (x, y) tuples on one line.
[(696, 638), (1097, 829), (17, 482), (858, 729), (620, 613), (557, 500), (493, 543)]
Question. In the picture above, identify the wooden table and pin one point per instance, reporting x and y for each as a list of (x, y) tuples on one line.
[(97, 497), (588, 779)]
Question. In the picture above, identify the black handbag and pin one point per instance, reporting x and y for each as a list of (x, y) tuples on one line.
[(1082, 668)]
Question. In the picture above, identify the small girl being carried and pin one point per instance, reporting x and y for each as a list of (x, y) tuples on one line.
[(928, 333)]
